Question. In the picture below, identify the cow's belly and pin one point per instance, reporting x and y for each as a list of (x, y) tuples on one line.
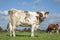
[(25, 25)]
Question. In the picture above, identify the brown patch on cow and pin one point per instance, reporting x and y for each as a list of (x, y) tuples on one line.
[(10, 12), (39, 17), (52, 27), (25, 11), (27, 15)]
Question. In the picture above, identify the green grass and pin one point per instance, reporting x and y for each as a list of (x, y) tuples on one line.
[(26, 36)]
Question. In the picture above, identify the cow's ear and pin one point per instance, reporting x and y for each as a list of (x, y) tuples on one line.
[(57, 25), (46, 12), (38, 12)]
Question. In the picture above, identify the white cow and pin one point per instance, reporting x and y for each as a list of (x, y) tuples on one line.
[(25, 18)]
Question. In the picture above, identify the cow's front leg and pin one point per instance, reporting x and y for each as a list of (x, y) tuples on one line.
[(36, 27), (50, 31), (32, 30), (57, 31)]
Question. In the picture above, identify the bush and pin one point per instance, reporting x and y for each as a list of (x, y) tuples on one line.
[(1, 30)]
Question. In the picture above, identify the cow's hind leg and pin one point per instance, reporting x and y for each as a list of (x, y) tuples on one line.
[(10, 27), (13, 29)]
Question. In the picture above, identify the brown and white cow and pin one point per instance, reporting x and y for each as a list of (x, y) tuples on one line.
[(25, 18), (52, 27)]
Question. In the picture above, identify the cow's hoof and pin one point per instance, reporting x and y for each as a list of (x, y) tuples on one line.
[(50, 33), (32, 35), (10, 35), (13, 35)]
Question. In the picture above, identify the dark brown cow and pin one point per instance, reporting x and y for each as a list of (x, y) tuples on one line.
[(52, 27)]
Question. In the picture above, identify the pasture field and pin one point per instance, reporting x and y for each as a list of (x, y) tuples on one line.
[(26, 36)]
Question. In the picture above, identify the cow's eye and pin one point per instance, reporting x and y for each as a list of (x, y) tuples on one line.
[(41, 15)]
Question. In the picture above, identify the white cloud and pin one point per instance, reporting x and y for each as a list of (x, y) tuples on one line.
[(4, 12), (4, 15), (3, 18)]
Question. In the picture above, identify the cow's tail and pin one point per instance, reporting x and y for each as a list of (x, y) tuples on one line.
[(8, 27)]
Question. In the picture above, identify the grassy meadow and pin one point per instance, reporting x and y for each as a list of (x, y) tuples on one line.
[(26, 36)]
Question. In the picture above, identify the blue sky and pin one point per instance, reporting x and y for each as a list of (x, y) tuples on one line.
[(53, 6)]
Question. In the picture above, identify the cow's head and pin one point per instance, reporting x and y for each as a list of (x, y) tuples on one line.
[(42, 15)]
